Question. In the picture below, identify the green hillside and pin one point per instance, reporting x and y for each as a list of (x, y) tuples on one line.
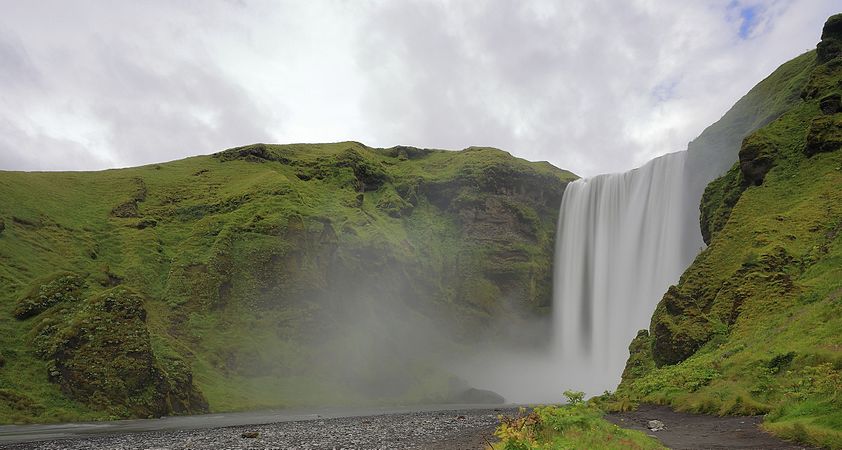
[(755, 324), (264, 276)]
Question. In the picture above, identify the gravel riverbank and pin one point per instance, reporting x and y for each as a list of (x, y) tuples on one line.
[(443, 429)]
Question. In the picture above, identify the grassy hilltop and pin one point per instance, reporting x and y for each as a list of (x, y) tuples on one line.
[(264, 276), (755, 324)]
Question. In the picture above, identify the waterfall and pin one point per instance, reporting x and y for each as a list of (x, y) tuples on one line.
[(622, 240)]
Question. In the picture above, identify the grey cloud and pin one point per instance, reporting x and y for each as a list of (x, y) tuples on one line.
[(594, 86), (150, 91), (23, 151), (476, 79)]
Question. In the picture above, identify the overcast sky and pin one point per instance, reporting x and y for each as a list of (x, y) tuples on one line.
[(591, 86)]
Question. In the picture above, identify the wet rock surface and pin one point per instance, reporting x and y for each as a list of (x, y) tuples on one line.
[(456, 429)]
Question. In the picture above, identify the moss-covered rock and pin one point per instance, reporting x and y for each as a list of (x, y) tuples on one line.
[(830, 46), (640, 359), (679, 327), (99, 353), (131, 208), (824, 135), (757, 156), (47, 292), (393, 204), (718, 200), (831, 103), (252, 153)]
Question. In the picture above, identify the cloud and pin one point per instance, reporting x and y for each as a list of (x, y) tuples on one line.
[(593, 86)]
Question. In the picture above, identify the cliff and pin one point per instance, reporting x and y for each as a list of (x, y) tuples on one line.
[(265, 276)]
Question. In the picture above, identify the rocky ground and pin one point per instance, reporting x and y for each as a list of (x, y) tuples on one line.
[(458, 429), (682, 431)]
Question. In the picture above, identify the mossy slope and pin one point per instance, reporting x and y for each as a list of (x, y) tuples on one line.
[(755, 324), (263, 276)]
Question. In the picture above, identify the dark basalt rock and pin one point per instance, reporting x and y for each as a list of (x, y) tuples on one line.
[(251, 153), (831, 103), (757, 156), (831, 43)]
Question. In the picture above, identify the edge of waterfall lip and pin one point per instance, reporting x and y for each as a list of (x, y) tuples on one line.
[(632, 170)]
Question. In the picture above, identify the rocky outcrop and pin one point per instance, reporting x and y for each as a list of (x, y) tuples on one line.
[(98, 350), (830, 46), (48, 292), (130, 207), (831, 103), (757, 156), (824, 135)]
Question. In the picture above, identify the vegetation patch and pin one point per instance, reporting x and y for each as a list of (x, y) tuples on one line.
[(578, 424)]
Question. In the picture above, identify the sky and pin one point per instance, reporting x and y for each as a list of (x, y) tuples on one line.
[(590, 86)]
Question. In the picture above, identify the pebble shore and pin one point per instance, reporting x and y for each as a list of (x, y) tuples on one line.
[(457, 429)]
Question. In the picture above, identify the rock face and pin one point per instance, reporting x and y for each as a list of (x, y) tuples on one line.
[(830, 46), (831, 103)]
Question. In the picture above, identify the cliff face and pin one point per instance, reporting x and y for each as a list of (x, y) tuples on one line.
[(754, 324), (265, 275)]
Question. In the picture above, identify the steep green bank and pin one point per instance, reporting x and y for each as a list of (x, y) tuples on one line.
[(755, 324), (264, 276)]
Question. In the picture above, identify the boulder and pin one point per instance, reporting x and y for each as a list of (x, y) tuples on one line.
[(655, 425), (472, 395)]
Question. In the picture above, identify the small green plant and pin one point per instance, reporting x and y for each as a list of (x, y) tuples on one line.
[(574, 398)]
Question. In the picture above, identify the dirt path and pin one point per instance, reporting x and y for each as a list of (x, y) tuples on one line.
[(696, 431)]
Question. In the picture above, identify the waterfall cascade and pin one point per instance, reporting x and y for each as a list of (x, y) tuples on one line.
[(622, 240)]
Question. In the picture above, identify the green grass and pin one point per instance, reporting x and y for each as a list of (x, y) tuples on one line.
[(754, 325), (271, 271), (572, 426)]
